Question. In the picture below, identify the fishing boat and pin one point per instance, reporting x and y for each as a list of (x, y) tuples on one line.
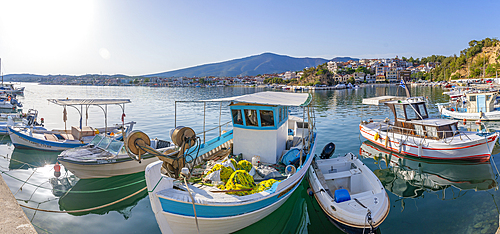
[(20, 120), (414, 133), (10, 102), (348, 192), (476, 106), (62, 139), (105, 156), (409, 177), (263, 135)]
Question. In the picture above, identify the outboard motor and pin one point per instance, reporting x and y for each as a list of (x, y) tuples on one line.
[(328, 151)]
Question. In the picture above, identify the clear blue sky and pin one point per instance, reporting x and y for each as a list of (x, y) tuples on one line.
[(145, 37)]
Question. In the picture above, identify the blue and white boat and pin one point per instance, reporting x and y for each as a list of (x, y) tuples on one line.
[(62, 139), (263, 133)]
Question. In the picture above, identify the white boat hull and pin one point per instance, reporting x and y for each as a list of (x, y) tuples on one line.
[(108, 168), (493, 115), (466, 146)]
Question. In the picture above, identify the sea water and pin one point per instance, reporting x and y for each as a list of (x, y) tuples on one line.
[(425, 196)]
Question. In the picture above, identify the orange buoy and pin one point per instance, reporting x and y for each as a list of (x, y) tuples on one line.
[(57, 167), (465, 121)]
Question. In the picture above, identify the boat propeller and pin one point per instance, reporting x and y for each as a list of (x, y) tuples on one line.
[(138, 143)]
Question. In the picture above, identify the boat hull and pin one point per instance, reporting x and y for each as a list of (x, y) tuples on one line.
[(460, 147), (21, 140), (106, 168), (493, 115)]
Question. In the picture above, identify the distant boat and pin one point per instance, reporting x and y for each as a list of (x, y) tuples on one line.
[(477, 106)]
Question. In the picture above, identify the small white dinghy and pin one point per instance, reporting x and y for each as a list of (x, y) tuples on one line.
[(351, 196)]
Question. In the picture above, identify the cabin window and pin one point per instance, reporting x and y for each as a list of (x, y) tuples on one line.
[(454, 129), (410, 112), (487, 97), (237, 117), (400, 112), (419, 130), (422, 110), (266, 118), (431, 131), (280, 114), (251, 118), (472, 98)]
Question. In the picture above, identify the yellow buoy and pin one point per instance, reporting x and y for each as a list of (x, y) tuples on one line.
[(376, 136), (386, 141)]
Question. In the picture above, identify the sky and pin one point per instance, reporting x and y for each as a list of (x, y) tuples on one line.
[(135, 37)]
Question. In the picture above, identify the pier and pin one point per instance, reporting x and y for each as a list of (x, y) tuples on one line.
[(12, 218)]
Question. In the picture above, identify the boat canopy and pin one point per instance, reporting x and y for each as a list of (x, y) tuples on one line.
[(69, 102), (269, 98)]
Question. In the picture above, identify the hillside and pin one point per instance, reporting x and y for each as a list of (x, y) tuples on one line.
[(266, 63)]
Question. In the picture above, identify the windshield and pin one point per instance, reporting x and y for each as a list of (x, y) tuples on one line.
[(115, 147), (104, 143), (96, 139)]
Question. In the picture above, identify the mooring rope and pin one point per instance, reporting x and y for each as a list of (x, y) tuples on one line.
[(88, 209), (194, 208), (58, 190)]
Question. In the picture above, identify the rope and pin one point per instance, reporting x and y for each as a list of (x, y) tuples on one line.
[(85, 210), (92, 191), (194, 208)]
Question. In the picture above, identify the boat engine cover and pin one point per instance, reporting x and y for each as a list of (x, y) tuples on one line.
[(328, 151)]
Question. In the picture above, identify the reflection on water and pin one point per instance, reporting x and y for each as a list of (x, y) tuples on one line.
[(410, 177), (469, 190), (442, 180), (91, 193)]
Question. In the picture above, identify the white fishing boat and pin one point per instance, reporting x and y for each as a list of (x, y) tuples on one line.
[(105, 156), (348, 192), (62, 139), (477, 106), (9, 88), (414, 133), (263, 133)]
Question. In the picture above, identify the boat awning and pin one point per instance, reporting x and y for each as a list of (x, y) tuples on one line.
[(381, 100), (70, 102), (269, 98)]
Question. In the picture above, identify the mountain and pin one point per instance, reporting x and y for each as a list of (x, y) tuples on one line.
[(265, 63)]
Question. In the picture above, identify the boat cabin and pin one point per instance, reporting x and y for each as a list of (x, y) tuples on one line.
[(411, 117), (265, 131), (481, 102)]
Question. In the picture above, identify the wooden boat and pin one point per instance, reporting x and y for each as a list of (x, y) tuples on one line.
[(478, 106), (59, 140), (105, 156), (414, 133), (348, 192), (262, 133)]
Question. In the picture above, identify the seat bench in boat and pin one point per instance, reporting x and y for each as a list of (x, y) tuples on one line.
[(341, 174)]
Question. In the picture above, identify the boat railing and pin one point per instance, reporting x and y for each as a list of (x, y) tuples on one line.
[(211, 129), (423, 133)]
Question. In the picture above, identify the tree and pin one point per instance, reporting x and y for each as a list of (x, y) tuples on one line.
[(146, 80), (351, 80)]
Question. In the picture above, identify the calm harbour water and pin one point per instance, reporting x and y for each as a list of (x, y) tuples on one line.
[(426, 196)]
